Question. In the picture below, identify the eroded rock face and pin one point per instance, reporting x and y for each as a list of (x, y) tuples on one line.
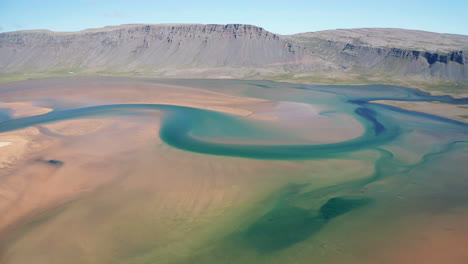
[(150, 48), (402, 62), (147, 47), (395, 52)]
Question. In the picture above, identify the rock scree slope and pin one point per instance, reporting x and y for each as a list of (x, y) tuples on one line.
[(236, 50)]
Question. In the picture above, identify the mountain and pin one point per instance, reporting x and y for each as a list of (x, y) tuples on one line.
[(235, 50), (395, 52)]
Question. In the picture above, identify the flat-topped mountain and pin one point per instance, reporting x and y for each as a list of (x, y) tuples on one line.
[(235, 50), (391, 52), (392, 37)]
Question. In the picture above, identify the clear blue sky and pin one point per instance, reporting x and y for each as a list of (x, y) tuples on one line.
[(284, 17)]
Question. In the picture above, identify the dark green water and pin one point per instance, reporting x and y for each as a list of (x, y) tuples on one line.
[(286, 224)]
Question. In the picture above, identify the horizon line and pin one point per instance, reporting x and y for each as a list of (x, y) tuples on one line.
[(116, 26)]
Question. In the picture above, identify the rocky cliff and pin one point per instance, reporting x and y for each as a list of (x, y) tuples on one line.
[(392, 52), (234, 48), (147, 47)]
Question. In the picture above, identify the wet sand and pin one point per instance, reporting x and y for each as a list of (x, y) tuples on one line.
[(455, 112), (22, 109), (106, 188), (47, 186)]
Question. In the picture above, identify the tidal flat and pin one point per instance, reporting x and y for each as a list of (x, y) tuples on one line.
[(140, 170)]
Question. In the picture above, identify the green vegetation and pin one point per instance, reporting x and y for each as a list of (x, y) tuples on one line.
[(22, 77)]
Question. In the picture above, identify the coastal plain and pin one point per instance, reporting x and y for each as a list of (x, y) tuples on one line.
[(141, 170)]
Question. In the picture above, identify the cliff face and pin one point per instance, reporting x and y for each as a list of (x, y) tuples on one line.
[(149, 48), (392, 52)]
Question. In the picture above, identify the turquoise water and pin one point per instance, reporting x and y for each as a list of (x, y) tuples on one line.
[(294, 214), (195, 130), (185, 128)]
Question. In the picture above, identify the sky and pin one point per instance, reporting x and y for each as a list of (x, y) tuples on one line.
[(283, 17)]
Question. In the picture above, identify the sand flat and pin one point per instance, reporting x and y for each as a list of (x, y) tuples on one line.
[(77, 127), (104, 188), (455, 112), (23, 109), (89, 162), (16, 144), (3, 144), (102, 141)]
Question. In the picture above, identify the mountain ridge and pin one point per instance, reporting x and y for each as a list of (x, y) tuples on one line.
[(237, 50)]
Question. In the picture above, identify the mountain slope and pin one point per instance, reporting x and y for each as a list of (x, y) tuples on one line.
[(134, 47), (395, 52), (236, 51)]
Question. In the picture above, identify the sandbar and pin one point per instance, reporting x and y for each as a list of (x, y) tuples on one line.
[(455, 112)]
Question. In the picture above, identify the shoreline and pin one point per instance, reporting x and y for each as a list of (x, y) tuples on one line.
[(453, 112)]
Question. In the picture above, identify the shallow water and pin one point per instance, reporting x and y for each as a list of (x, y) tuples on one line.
[(186, 127), (407, 151)]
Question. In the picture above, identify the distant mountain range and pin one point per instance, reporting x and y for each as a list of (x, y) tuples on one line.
[(237, 51)]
